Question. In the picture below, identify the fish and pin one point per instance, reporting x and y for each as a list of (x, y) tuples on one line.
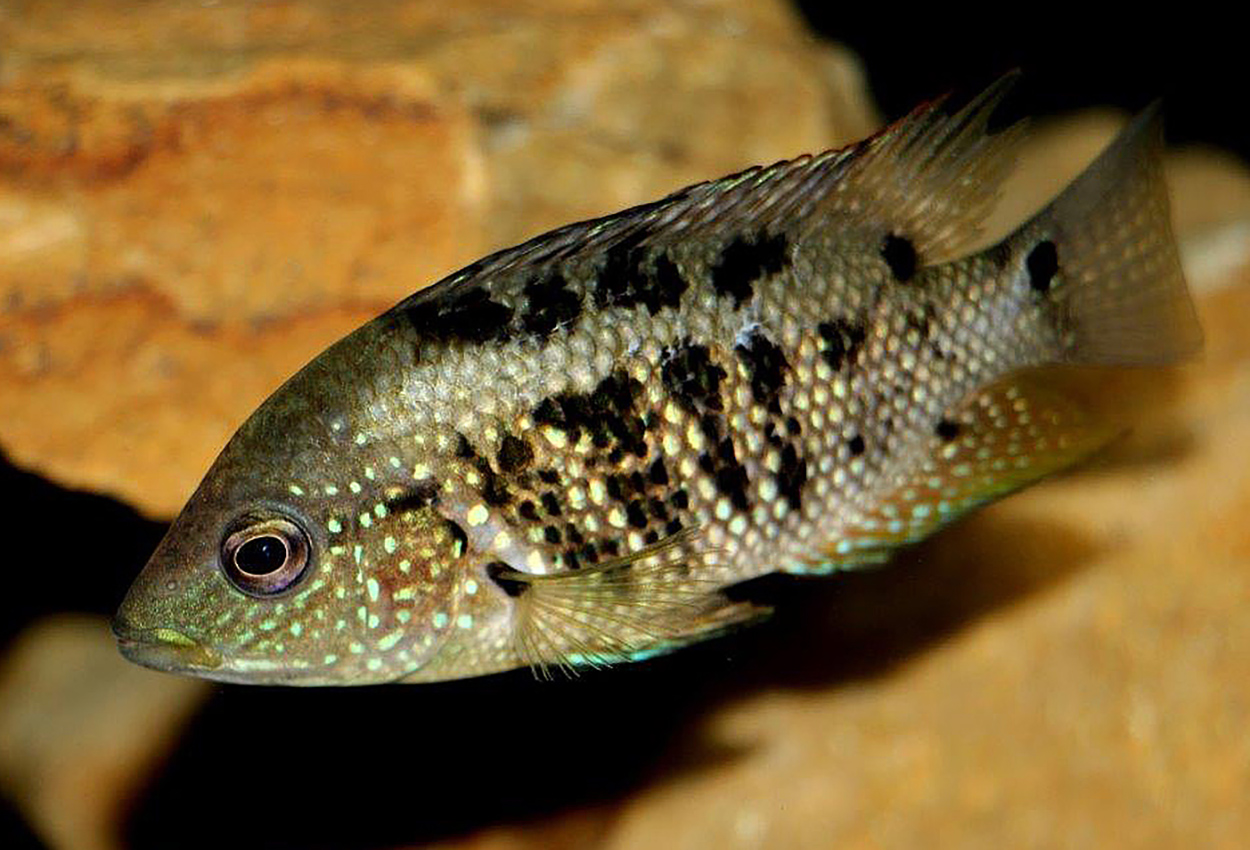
[(566, 455)]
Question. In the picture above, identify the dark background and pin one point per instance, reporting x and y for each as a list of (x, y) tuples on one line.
[(1193, 56), (450, 758)]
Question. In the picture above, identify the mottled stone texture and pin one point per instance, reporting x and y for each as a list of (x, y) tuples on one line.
[(195, 199)]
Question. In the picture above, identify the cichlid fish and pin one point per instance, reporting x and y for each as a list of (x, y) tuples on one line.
[(562, 454)]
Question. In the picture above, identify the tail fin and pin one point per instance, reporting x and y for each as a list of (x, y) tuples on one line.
[(1105, 257)]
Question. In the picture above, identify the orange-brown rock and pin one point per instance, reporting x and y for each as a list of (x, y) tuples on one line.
[(195, 199), (80, 729)]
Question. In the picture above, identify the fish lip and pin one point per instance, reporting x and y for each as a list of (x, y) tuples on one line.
[(163, 648)]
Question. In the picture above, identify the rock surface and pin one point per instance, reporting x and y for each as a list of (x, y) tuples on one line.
[(196, 199), (81, 729)]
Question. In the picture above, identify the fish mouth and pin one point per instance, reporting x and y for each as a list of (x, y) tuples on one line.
[(163, 648)]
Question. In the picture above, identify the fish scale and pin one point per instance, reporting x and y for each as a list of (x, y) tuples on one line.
[(563, 454)]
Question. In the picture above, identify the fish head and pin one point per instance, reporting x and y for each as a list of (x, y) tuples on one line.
[(311, 553)]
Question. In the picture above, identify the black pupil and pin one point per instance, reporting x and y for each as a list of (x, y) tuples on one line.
[(261, 555)]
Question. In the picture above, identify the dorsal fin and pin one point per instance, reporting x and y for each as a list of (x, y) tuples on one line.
[(931, 177)]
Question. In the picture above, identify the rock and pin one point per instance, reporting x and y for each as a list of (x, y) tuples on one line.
[(80, 729), (195, 200)]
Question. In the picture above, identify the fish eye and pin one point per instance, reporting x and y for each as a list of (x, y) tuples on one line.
[(265, 557)]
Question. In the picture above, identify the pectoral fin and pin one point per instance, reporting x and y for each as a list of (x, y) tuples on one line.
[(627, 609)]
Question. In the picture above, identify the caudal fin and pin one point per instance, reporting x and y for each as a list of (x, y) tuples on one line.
[(1104, 255)]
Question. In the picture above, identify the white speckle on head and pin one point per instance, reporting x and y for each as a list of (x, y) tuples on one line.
[(440, 620), (372, 586), (334, 526), (389, 545), (296, 490), (470, 587), (361, 439), (465, 621), (478, 514), (354, 486)]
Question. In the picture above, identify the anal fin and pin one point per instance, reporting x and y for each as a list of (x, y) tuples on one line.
[(1001, 438)]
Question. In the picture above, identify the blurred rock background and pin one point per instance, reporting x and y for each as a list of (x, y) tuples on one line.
[(196, 198)]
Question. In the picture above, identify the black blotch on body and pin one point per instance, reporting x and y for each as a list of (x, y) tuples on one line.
[(528, 511), (766, 365), (550, 304), (498, 572), (791, 476), (421, 496), (464, 316), (745, 260), (842, 340), (900, 255), (947, 429), (1042, 264), (608, 414), (856, 445), (514, 454), (549, 476), (692, 377), (626, 280), (552, 534)]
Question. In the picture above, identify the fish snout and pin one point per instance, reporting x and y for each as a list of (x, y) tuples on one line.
[(161, 647)]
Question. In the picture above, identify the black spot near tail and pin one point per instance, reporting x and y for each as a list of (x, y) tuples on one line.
[(856, 445), (900, 255), (1042, 264), (745, 260)]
